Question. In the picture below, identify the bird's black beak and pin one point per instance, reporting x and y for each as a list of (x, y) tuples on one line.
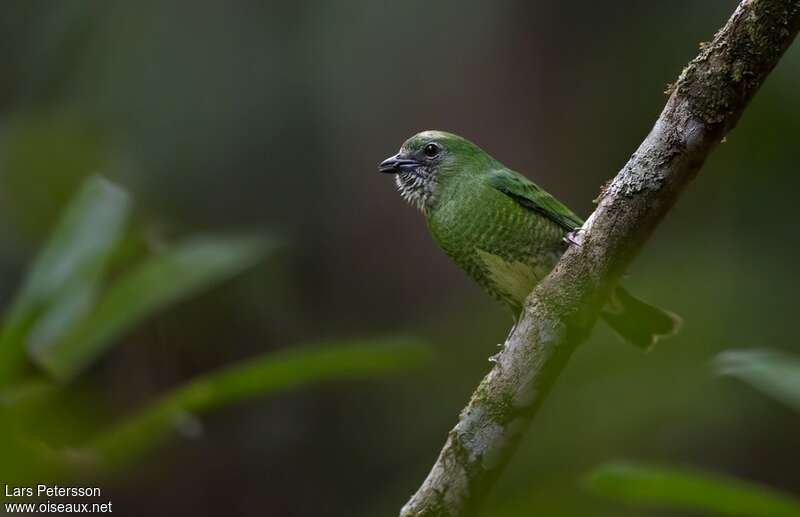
[(397, 163)]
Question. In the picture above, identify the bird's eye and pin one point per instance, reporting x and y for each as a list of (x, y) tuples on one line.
[(431, 150)]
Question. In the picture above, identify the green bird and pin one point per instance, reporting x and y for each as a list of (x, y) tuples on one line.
[(502, 229)]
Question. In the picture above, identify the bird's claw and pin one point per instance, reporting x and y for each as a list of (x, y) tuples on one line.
[(573, 238), (493, 358)]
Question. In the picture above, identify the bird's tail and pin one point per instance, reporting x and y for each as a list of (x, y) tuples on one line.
[(638, 322)]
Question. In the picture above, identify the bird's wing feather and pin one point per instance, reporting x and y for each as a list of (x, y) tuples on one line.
[(530, 196)]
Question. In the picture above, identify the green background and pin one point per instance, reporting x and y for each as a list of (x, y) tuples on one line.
[(271, 117)]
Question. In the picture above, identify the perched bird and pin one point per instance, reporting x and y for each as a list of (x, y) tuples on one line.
[(502, 229)]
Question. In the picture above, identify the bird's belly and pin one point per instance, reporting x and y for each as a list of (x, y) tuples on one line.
[(512, 279), (506, 252), (507, 270)]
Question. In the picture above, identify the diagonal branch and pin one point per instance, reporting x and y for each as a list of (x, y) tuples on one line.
[(704, 104)]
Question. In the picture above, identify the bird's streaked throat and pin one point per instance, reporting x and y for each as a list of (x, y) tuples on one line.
[(418, 186)]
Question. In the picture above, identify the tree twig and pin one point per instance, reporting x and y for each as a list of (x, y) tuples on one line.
[(704, 104)]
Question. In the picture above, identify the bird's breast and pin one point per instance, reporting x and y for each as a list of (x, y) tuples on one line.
[(505, 248)]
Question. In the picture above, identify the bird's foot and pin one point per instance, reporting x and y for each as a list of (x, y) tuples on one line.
[(493, 358), (573, 238)]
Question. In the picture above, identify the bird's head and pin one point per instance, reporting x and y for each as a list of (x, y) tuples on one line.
[(429, 160)]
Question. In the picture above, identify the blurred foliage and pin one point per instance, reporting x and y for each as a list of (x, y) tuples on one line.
[(61, 317), (774, 373), (62, 283), (67, 314), (256, 376), (170, 276), (650, 485)]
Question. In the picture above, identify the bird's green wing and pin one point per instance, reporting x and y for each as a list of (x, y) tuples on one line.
[(530, 196)]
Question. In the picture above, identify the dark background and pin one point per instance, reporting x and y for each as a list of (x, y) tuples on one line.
[(272, 117)]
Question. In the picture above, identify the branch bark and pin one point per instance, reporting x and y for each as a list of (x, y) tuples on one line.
[(704, 104)]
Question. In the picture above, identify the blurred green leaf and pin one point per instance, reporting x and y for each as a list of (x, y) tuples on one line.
[(255, 377), (159, 281), (638, 484), (774, 373), (62, 281)]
